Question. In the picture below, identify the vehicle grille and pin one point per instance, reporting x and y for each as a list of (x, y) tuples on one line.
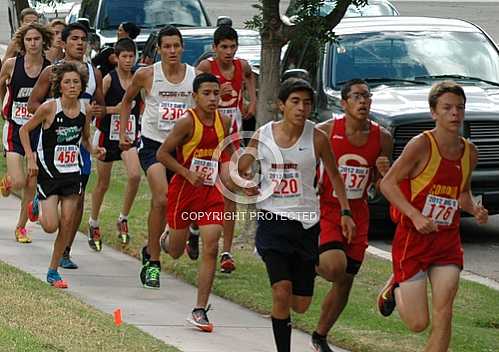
[(484, 134)]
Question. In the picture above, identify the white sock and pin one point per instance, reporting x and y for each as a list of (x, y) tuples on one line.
[(194, 231), (123, 217), (93, 223)]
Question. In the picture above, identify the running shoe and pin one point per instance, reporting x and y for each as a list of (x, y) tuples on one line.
[(192, 246), (22, 235), (386, 298), (94, 238), (227, 263), (54, 279), (319, 344), (5, 186), (150, 278), (123, 235), (199, 319), (34, 208), (66, 261)]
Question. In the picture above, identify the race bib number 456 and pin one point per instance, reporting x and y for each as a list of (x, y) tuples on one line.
[(208, 167), (169, 113), (114, 134), (441, 210), (66, 158)]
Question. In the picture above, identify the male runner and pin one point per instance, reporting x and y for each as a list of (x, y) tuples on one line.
[(55, 52), (429, 184), (65, 123), (74, 38), (21, 73), (28, 15), (360, 146), (192, 191), (108, 135), (287, 233), (234, 75), (168, 94)]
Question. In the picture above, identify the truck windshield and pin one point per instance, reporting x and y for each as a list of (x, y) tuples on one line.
[(410, 55), (151, 13)]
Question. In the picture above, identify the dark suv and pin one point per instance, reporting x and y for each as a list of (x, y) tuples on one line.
[(400, 58), (106, 15)]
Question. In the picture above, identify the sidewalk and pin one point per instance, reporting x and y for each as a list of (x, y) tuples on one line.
[(109, 280)]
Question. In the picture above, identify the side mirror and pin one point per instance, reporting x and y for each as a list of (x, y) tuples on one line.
[(224, 20), (295, 72)]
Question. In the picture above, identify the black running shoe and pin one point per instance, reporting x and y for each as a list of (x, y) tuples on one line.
[(386, 298), (319, 344), (227, 263), (151, 279), (199, 319), (192, 246)]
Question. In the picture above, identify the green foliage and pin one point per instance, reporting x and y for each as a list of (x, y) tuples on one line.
[(256, 22)]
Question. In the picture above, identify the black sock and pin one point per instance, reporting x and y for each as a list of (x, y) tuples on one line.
[(155, 263), (316, 335), (66, 252), (282, 334)]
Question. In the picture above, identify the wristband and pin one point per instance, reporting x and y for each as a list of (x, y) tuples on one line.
[(346, 212)]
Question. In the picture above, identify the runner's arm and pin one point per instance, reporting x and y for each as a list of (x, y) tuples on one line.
[(413, 155), (106, 84), (244, 167), (250, 84), (466, 201), (40, 90), (11, 50), (203, 66), (98, 152), (383, 160), (5, 74)]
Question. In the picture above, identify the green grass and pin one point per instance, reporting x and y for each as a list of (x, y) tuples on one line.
[(360, 328), (36, 317)]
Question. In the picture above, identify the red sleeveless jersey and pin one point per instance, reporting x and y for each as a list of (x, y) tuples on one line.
[(435, 191), (355, 163), (235, 99)]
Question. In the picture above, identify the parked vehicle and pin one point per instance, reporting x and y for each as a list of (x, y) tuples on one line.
[(400, 58), (105, 16)]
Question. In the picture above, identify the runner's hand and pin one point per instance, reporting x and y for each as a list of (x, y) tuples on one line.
[(250, 111), (226, 89), (100, 153), (195, 178), (97, 110), (125, 143), (481, 214), (32, 166), (382, 164), (348, 228), (424, 224)]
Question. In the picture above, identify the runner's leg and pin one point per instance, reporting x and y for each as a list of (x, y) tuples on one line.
[(207, 266), (412, 303), (103, 178), (156, 176), (132, 164), (66, 225)]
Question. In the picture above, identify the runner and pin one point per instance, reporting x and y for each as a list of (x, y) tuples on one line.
[(27, 16), (429, 184), (55, 52), (192, 189), (168, 93), (107, 136), (234, 75), (360, 146), (288, 223), (21, 73), (74, 38), (65, 123)]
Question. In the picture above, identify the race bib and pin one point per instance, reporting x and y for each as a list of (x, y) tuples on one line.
[(20, 114), (114, 133), (207, 167), (66, 158), (235, 116), (169, 113), (441, 210), (355, 179), (287, 187)]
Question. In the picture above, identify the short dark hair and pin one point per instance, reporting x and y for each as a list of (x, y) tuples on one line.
[(224, 32), (72, 27), (131, 28), (440, 88), (124, 44), (58, 71), (294, 84), (347, 87), (203, 78), (169, 31)]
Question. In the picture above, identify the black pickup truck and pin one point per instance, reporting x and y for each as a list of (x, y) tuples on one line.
[(401, 57)]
